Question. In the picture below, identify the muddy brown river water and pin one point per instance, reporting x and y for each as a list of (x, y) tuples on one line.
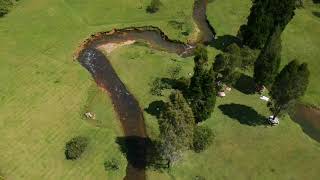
[(125, 104)]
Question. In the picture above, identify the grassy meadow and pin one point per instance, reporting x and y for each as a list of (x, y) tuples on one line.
[(44, 93)]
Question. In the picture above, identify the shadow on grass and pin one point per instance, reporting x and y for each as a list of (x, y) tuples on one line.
[(142, 152), (317, 14), (245, 84), (178, 84), (224, 41), (155, 108), (134, 148), (244, 114)]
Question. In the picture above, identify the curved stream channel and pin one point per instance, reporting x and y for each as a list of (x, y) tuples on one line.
[(125, 104)]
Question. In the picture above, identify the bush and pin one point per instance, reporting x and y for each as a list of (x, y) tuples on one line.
[(154, 6), (245, 56), (75, 147), (248, 57), (5, 6), (202, 138), (111, 165), (174, 71)]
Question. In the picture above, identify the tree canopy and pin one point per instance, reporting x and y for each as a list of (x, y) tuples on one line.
[(201, 92), (290, 84), (267, 65), (264, 17), (176, 126)]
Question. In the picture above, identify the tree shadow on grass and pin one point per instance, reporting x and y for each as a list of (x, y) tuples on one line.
[(134, 148), (178, 84), (244, 114), (224, 41), (245, 84), (141, 152), (317, 14), (155, 108)]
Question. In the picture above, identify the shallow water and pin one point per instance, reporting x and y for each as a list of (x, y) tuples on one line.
[(309, 120), (125, 104)]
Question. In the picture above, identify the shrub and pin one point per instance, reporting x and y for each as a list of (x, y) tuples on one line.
[(154, 6), (202, 138), (156, 87), (174, 71), (248, 57), (5, 6), (111, 165), (75, 147)]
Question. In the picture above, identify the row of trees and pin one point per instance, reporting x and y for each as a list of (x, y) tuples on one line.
[(266, 22), (178, 120)]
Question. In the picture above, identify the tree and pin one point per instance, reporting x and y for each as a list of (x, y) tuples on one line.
[(201, 54), (290, 84), (176, 126), (202, 138), (264, 17), (267, 65), (75, 147), (244, 57), (225, 66), (5, 6), (201, 92)]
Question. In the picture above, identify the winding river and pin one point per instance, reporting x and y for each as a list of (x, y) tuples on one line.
[(126, 106)]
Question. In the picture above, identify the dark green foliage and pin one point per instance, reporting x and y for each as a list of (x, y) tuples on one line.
[(5, 6), (243, 57), (201, 93), (248, 57), (154, 6), (75, 147), (265, 16), (111, 165), (201, 54), (225, 66), (202, 138), (156, 87), (174, 71), (176, 126), (289, 85), (267, 65)]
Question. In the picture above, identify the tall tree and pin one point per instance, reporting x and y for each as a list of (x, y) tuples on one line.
[(290, 84), (264, 17), (225, 66), (176, 126), (201, 93), (267, 65)]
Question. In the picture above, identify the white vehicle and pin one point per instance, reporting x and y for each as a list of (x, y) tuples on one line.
[(272, 121)]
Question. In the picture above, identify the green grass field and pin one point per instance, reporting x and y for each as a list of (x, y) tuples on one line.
[(44, 93)]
